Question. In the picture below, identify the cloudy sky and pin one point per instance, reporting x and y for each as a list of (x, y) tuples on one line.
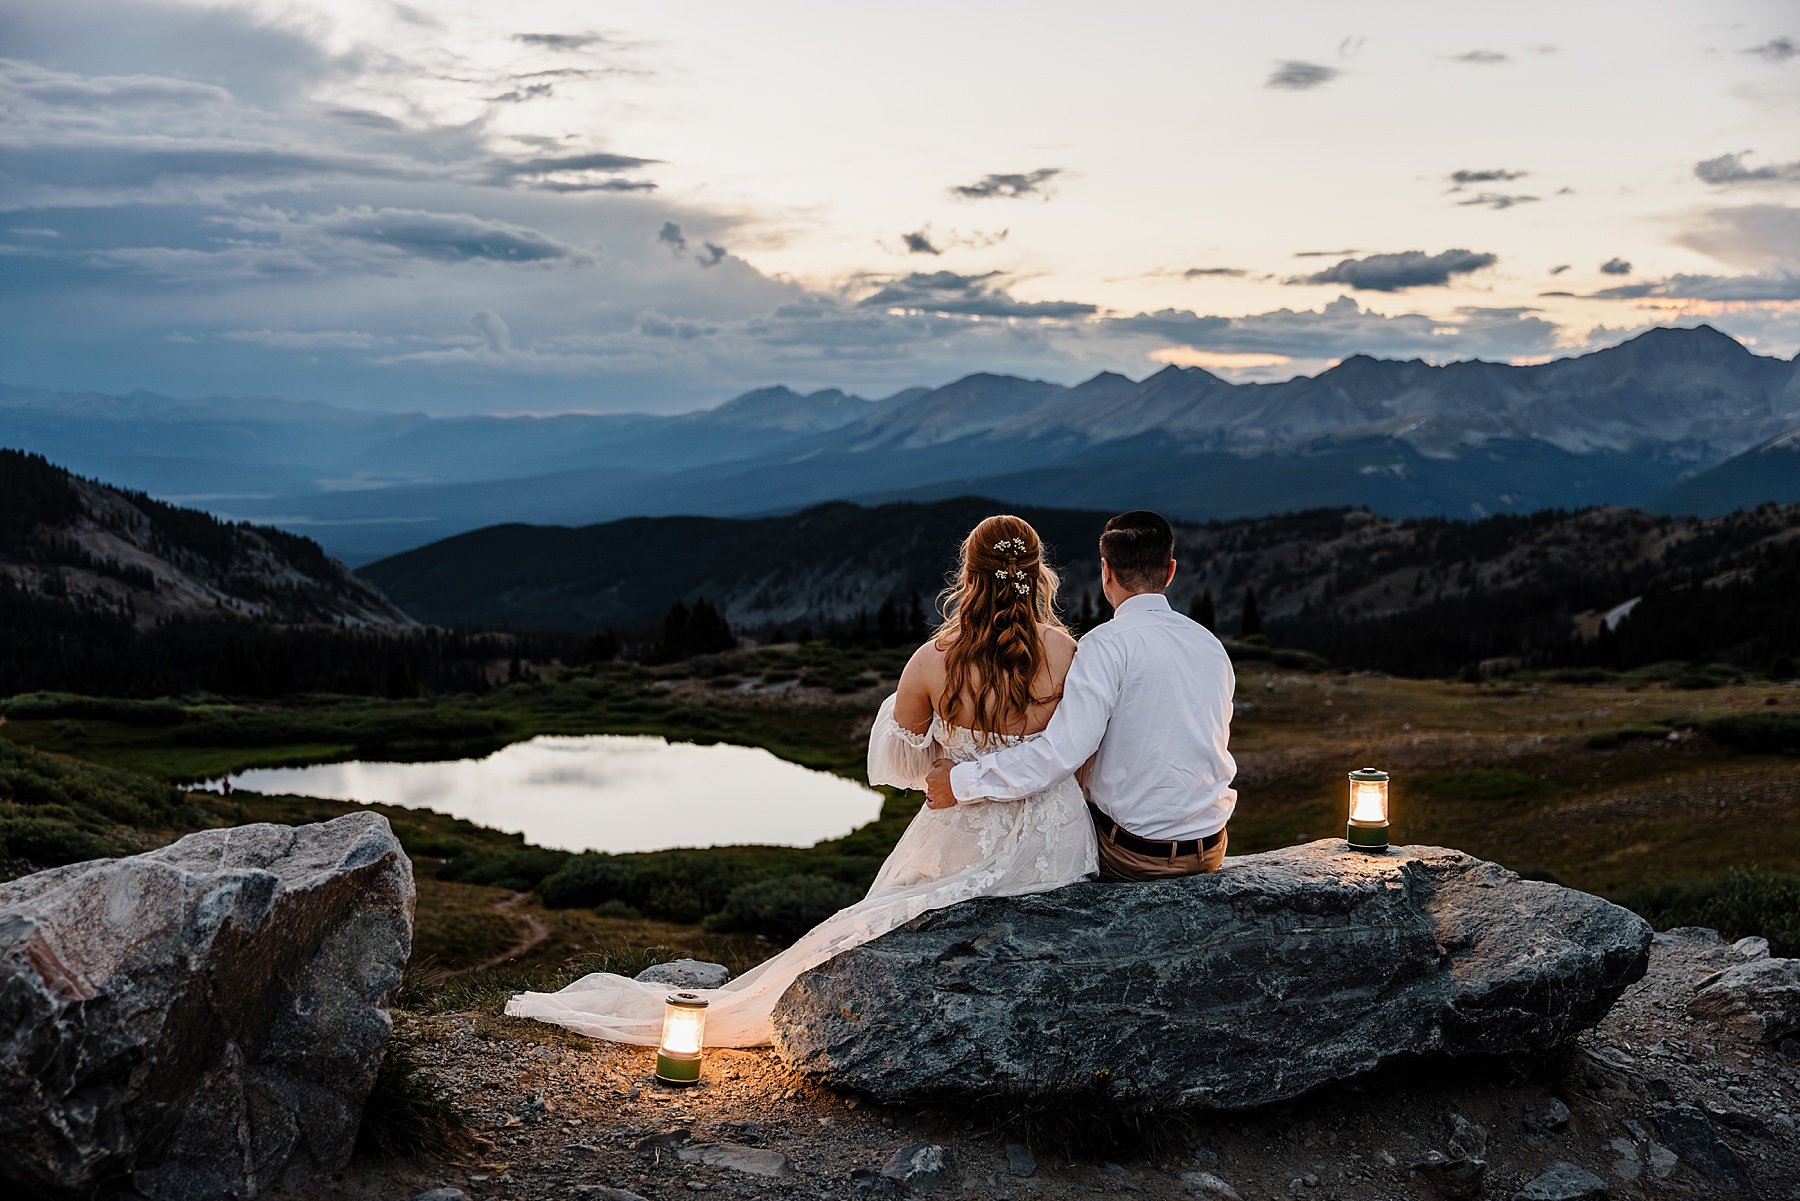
[(550, 204)]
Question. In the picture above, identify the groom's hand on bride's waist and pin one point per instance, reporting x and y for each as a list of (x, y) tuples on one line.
[(937, 785)]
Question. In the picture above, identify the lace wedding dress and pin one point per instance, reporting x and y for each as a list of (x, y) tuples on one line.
[(973, 849)]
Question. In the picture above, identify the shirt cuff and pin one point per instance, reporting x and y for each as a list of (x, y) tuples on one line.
[(963, 779)]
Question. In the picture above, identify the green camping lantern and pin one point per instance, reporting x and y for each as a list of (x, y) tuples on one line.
[(684, 1032), (1368, 828)]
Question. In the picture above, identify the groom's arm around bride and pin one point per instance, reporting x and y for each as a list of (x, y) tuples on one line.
[(1149, 699)]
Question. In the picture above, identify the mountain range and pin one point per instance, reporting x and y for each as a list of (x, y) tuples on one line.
[(73, 545), (836, 564), (1674, 420)]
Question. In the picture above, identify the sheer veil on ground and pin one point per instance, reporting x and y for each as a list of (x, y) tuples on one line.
[(983, 848)]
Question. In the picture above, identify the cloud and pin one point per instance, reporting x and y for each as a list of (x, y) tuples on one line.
[(1203, 272), (535, 91), (1560, 268), (1776, 50), (1496, 200), (1351, 46), (493, 331), (559, 41), (1295, 75), (1615, 266), (1323, 254), (573, 172), (26, 81), (925, 240), (988, 187), (1770, 287), (1729, 169), (1484, 57), (965, 295), (319, 339), (671, 236), (1399, 271), (1754, 237), (356, 240), (1462, 179), (1344, 327), (919, 242), (711, 254)]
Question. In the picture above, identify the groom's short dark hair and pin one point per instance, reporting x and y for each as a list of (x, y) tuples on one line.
[(1138, 545)]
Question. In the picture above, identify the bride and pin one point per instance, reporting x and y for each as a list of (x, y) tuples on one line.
[(991, 675)]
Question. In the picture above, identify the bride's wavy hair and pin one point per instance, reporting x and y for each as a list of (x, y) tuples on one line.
[(1003, 589)]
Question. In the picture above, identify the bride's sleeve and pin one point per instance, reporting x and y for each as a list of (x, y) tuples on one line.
[(897, 756)]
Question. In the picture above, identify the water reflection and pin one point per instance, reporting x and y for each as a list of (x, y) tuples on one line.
[(605, 792)]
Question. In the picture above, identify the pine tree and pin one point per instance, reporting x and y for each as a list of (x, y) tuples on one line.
[(1252, 619), (1202, 609), (674, 644), (915, 619)]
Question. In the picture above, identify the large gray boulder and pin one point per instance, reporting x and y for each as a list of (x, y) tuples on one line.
[(202, 1020), (1282, 972)]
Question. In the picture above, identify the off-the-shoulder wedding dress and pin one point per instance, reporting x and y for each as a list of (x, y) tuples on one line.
[(972, 849)]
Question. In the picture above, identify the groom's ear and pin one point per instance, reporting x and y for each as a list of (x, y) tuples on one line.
[(1171, 578)]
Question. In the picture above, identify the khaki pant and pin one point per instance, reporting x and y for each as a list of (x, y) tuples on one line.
[(1118, 864)]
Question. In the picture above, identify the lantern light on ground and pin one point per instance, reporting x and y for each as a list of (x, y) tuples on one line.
[(684, 1032), (1368, 828)]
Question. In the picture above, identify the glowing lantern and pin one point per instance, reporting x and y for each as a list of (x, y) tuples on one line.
[(1368, 828), (684, 1030)]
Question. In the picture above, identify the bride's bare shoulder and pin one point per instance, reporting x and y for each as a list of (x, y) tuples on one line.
[(926, 664), (1056, 639)]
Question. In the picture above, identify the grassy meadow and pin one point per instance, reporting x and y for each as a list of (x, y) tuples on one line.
[(1675, 790)]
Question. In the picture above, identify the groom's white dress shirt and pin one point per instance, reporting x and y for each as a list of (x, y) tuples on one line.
[(1151, 691)]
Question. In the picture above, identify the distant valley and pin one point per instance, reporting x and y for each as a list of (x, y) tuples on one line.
[(1680, 420)]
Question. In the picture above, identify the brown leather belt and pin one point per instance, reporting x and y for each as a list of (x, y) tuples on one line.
[(1162, 848)]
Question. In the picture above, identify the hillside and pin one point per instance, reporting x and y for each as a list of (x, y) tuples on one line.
[(1508, 585), (88, 546), (1626, 425)]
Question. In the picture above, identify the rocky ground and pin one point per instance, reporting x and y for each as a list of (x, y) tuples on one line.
[(1653, 1103)]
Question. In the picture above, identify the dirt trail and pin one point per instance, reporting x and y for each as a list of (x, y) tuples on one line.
[(537, 933)]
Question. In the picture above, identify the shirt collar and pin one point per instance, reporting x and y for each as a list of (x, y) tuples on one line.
[(1142, 601)]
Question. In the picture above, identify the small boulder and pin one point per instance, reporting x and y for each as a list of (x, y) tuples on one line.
[(686, 973), (1689, 1134), (920, 1168), (1761, 998), (1752, 946), (1019, 1160), (1456, 1174), (1563, 1182), (202, 1021), (1205, 1184)]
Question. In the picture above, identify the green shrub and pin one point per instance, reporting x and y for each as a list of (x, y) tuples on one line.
[(783, 908), (1758, 733), (587, 880), (521, 869), (1736, 904), (42, 842), (45, 705)]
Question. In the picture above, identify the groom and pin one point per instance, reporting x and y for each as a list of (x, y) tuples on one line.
[(1149, 697)]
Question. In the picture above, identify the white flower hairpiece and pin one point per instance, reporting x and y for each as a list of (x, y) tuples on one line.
[(1011, 546)]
